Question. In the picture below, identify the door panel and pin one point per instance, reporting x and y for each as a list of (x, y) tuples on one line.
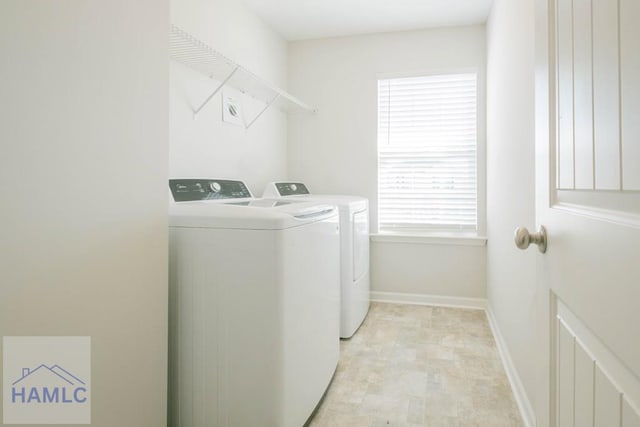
[(583, 95), (587, 106), (630, 84), (565, 95), (630, 417), (605, 93), (593, 386), (584, 370), (607, 411), (566, 379)]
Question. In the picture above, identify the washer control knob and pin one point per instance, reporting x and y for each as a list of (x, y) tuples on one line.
[(215, 187), (294, 187)]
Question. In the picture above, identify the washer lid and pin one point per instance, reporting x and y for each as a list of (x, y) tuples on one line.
[(254, 214)]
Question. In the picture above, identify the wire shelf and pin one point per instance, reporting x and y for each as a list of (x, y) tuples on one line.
[(192, 52)]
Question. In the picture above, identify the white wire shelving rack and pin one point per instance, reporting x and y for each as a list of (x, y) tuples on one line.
[(192, 52)]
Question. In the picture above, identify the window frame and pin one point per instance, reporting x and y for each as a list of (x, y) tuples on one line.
[(426, 234)]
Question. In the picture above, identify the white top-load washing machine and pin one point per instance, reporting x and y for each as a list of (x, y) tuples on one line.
[(254, 306), (354, 242)]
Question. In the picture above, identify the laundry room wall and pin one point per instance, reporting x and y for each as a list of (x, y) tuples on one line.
[(335, 150), (511, 273), (208, 147), (84, 152)]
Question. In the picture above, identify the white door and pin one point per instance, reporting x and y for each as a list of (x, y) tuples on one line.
[(587, 182)]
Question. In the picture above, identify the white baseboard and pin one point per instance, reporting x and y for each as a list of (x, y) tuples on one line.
[(524, 405), (437, 300)]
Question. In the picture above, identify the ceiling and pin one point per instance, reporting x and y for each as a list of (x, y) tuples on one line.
[(309, 19)]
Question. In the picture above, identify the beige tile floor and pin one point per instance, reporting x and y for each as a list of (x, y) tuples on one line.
[(412, 365)]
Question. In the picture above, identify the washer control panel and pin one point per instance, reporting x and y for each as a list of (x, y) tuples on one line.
[(189, 190), (291, 188)]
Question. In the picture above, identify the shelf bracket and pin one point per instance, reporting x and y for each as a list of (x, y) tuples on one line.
[(206, 101), (263, 110)]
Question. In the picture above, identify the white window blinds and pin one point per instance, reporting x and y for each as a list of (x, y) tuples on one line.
[(427, 136)]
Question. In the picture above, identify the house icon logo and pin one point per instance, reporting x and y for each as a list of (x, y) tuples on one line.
[(46, 380), (48, 384)]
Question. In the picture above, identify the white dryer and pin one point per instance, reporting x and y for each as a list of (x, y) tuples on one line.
[(254, 317), (354, 244)]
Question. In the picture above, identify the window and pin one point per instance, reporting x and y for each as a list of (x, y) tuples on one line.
[(427, 144)]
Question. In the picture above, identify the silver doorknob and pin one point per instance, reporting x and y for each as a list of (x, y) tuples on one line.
[(523, 238)]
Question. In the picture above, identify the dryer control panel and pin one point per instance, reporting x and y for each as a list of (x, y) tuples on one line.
[(189, 190), (291, 188)]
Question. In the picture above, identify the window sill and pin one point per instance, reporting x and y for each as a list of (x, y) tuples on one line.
[(450, 239)]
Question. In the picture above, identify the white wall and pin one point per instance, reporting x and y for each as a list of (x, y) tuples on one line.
[(334, 151), (208, 147), (510, 179), (84, 140), (451, 270)]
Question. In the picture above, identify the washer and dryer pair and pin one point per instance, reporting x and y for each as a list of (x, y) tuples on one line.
[(254, 304)]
